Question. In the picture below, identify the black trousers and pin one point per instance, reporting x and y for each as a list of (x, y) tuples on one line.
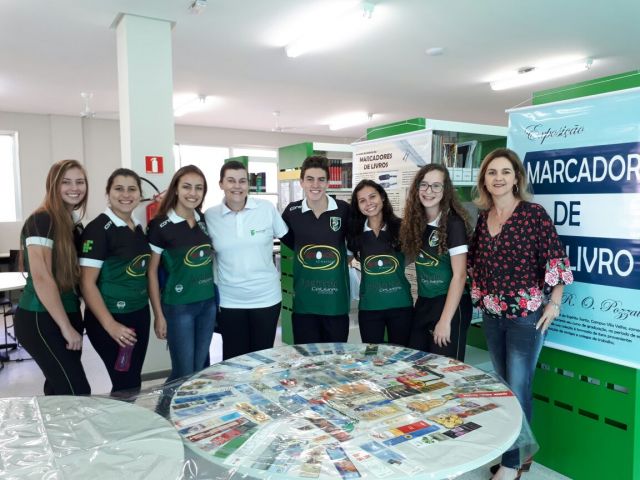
[(426, 315), (397, 322), (311, 328), (40, 335), (107, 347), (247, 330)]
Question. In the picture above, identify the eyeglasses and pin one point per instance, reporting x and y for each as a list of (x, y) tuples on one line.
[(435, 187)]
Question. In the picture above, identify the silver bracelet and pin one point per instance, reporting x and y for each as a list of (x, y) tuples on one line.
[(555, 305)]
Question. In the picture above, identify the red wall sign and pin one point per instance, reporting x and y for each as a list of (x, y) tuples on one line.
[(153, 164)]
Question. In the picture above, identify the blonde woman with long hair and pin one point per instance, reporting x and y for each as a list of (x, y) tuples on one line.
[(48, 321)]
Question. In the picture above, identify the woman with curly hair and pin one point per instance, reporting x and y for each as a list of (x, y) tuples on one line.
[(518, 269), (385, 293), (434, 232)]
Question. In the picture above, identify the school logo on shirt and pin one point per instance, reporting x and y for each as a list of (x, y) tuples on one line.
[(198, 256), (138, 266), (426, 260), (335, 223), (87, 246), (434, 241), (178, 288), (380, 264), (319, 257)]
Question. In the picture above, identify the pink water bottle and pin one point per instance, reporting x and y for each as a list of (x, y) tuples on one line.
[(123, 360)]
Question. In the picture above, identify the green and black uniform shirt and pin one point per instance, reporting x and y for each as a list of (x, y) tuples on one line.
[(122, 255), (383, 284), (433, 269), (320, 271), (38, 230), (186, 258)]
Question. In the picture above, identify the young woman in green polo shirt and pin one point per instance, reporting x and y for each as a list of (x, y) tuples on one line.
[(435, 232), (185, 307), (48, 322), (114, 258), (385, 293)]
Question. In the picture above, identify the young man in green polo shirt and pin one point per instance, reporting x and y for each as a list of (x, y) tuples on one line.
[(317, 230)]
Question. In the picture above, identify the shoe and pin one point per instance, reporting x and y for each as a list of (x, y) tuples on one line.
[(525, 467), (517, 477)]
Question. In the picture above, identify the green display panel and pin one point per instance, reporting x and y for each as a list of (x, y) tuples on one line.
[(592, 87), (242, 159), (396, 128), (586, 416), (292, 156), (286, 281)]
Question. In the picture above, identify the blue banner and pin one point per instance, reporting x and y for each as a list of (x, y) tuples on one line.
[(582, 159)]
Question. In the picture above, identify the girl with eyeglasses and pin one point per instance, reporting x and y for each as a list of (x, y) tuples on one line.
[(435, 231)]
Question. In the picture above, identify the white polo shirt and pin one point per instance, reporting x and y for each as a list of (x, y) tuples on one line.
[(243, 245)]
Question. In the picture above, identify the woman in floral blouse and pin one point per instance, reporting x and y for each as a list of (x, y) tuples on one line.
[(518, 270)]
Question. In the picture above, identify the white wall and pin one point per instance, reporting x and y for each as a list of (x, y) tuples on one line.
[(45, 139)]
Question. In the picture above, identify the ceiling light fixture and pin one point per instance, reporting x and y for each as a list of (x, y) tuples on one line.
[(197, 103), (345, 23), (350, 120), (529, 75), (198, 6)]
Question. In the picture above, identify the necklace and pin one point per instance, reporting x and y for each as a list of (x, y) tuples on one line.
[(494, 241)]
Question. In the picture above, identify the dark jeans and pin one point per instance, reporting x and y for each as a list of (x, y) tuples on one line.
[(426, 316), (397, 322), (247, 330), (311, 328), (108, 349), (40, 335), (189, 331), (514, 346)]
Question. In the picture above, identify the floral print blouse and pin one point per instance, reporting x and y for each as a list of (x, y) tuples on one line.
[(512, 270)]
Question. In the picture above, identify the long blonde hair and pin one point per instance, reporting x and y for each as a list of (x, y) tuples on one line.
[(481, 196), (66, 271)]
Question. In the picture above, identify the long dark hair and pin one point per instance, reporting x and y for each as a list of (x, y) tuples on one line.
[(170, 198), (357, 219), (414, 221)]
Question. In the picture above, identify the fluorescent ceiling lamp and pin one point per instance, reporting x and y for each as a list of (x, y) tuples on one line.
[(321, 35), (350, 120), (527, 76), (197, 103)]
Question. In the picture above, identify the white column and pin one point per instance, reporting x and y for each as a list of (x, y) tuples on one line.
[(145, 84)]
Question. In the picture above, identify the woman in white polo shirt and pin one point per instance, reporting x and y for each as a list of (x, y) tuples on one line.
[(242, 230)]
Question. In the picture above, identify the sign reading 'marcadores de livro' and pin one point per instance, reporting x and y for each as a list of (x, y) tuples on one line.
[(582, 158)]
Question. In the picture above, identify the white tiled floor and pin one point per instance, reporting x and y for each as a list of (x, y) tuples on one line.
[(24, 378)]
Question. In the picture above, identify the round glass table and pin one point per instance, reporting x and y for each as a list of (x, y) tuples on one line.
[(89, 438), (345, 411)]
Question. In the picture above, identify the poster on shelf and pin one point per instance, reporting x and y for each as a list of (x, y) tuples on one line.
[(582, 158), (392, 162)]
